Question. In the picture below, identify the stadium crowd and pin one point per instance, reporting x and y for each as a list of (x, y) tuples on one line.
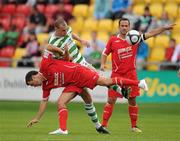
[(25, 26)]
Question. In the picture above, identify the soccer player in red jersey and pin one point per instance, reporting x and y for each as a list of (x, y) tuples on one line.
[(56, 73), (123, 65)]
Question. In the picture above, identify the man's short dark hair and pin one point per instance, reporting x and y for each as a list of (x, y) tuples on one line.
[(124, 19), (29, 75)]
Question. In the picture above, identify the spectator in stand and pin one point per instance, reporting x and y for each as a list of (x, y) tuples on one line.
[(119, 8), (176, 54), (167, 65), (28, 29), (32, 52), (102, 9), (145, 21), (54, 1), (93, 53), (12, 36), (42, 2), (62, 13), (80, 2), (131, 16), (2, 37), (31, 3), (37, 18), (142, 54), (9, 1)]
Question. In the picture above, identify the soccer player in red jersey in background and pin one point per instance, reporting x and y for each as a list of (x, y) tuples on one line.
[(123, 65), (56, 73)]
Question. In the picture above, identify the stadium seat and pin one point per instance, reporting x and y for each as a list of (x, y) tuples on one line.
[(139, 9), (115, 26), (176, 37), (51, 9), (138, 1), (68, 8), (80, 10), (6, 23), (41, 7), (172, 10), (157, 54), (77, 25), (150, 42), (154, 11), (5, 16), (173, 1), (9, 8), (42, 38), (177, 1), (7, 52), (105, 25), (23, 9), (176, 28), (90, 24), (19, 53), (86, 35), (103, 36), (161, 41), (91, 11), (156, 1), (20, 22)]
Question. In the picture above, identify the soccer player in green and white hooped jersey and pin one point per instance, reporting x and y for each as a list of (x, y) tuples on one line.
[(63, 37)]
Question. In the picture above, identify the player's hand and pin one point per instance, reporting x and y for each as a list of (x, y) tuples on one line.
[(169, 27), (102, 68), (33, 121), (66, 48), (85, 43)]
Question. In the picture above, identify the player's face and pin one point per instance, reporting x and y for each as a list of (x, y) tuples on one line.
[(62, 30), (35, 82), (124, 27)]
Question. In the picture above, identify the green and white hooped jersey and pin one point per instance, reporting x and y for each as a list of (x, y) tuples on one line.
[(72, 48)]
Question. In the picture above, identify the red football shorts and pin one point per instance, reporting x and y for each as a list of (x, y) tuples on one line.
[(73, 89), (135, 91)]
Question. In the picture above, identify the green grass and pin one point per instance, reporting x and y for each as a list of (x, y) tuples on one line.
[(159, 122)]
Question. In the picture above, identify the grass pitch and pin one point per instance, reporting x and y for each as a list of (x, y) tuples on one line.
[(159, 122)]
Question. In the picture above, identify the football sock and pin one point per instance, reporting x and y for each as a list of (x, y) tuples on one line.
[(116, 88), (108, 109), (133, 114), (124, 81), (63, 115), (91, 111)]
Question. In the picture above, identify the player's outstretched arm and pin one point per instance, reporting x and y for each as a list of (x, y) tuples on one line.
[(40, 113), (103, 62), (83, 42), (158, 30), (179, 72)]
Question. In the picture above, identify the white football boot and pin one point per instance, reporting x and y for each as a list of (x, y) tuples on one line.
[(136, 130), (143, 85), (59, 132)]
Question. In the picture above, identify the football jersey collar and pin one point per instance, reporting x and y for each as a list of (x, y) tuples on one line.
[(118, 36)]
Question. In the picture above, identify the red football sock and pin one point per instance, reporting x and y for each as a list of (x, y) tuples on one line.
[(124, 81), (108, 109), (133, 114), (63, 115)]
